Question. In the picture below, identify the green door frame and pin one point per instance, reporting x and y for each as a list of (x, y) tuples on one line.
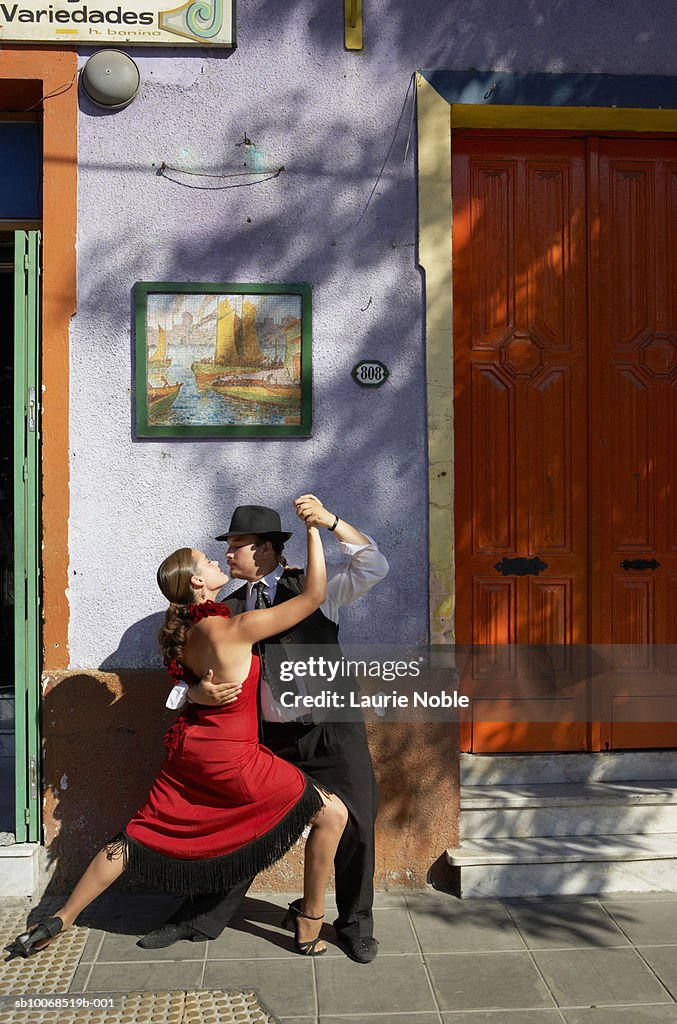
[(26, 534)]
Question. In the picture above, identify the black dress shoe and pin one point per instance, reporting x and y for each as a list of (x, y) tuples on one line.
[(170, 933), (362, 950)]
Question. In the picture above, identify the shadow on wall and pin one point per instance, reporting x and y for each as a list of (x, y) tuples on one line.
[(103, 731), (138, 645), (303, 227), (573, 35), (103, 747)]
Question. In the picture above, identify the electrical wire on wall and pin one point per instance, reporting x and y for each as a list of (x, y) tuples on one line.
[(59, 91), (262, 177), (392, 143)]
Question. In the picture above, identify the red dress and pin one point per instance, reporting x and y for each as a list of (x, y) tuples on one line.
[(222, 807)]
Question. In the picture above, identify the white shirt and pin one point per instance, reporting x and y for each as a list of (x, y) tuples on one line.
[(359, 568)]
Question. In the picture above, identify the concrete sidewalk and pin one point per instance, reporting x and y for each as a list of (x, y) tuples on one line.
[(579, 960)]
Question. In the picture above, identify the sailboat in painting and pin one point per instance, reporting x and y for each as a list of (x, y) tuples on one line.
[(158, 359), (241, 373), (237, 347), (276, 386)]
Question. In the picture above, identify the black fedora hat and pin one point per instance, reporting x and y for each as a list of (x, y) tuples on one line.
[(254, 519)]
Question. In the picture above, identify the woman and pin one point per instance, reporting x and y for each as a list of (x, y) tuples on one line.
[(222, 806)]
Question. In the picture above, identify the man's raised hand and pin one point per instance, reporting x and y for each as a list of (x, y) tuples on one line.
[(311, 510)]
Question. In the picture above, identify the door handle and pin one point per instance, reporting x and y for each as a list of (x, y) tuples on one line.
[(31, 409), (521, 566), (639, 563)]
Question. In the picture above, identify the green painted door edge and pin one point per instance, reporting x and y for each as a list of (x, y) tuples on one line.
[(26, 534)]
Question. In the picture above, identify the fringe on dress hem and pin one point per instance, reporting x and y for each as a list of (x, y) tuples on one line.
[(216, 874)]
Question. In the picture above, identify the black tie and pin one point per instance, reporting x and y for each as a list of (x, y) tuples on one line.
[(276, 686)]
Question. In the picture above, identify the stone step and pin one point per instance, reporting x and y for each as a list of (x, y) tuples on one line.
[(570, 809), (570, 865), (525, 769), (19, 870)]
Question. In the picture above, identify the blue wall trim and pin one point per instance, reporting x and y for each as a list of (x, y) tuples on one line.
[(550, 90), (20, 170)]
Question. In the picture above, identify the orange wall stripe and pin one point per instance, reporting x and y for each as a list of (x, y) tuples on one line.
[(57, 71)]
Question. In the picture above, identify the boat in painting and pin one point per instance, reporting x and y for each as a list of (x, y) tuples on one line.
[(237, 347), (161, 399), (158, 359), (277, 386)]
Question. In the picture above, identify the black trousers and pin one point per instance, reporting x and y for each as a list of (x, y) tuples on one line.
[(336, 755)]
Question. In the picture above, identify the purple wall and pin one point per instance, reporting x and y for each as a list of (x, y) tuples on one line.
[(328, 116)]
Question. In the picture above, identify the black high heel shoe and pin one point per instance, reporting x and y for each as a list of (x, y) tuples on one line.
[(45, 930), (291, 920)]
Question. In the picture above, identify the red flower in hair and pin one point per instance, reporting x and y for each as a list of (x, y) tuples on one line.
[(175, 670), (197, 612)]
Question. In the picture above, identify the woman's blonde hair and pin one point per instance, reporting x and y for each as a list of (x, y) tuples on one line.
[(173, 577)]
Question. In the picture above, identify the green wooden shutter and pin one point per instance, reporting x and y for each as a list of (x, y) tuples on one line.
[(26, 533)]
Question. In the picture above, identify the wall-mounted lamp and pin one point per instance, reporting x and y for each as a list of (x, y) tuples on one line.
[(352, 15), (111, 79)]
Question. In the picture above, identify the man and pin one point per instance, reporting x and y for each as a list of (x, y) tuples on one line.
[(335, 754)]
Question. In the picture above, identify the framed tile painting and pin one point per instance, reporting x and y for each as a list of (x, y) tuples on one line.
[(223, 360)]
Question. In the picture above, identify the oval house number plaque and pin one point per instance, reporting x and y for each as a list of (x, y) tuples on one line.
[(370, 373)]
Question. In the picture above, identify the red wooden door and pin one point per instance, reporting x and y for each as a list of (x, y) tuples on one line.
[(633, 452), (564, 363), (520, 413)]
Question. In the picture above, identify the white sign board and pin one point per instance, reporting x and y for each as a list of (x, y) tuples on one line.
[(106, 22)]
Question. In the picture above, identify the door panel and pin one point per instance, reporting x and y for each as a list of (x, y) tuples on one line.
[(633, 361), (26, 532), (565, 355), (492, 419), (520, 407), (549, 405)]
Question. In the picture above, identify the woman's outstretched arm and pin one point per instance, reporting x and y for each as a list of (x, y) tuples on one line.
[(262, 623)]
